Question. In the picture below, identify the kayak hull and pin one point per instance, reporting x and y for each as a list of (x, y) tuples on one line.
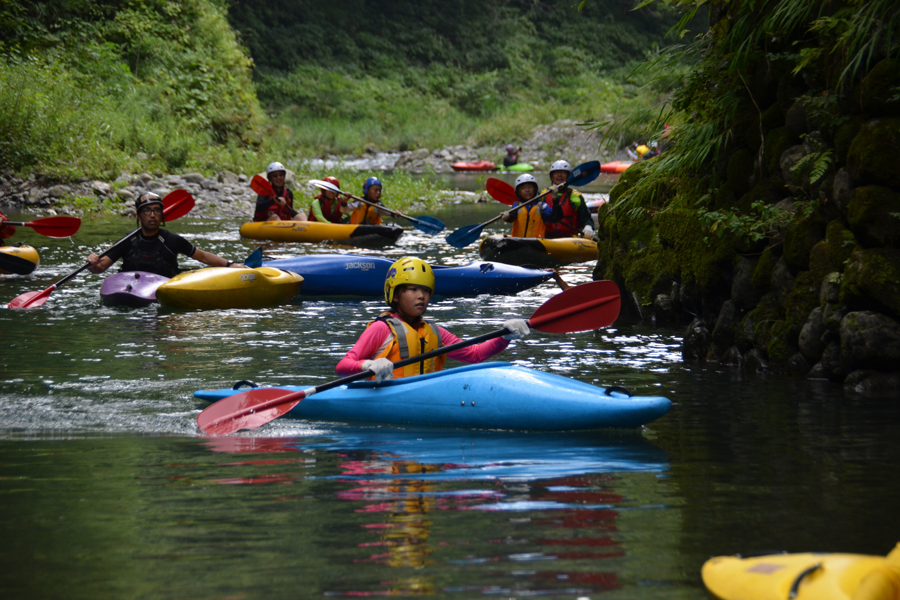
[(354, 275), (18, 260), (538, 252), (493, 395), (363, 236), (224, 287), (772, 577), (616, 166), (131, 288), (478, 165), (518, 168)]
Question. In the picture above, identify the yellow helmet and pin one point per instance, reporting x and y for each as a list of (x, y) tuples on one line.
[(408, 271)]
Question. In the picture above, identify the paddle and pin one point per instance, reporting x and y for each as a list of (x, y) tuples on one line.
[(429, 225), (16, 265), (55, 227), (580, 175), (175, 205), (261, 186), (580, 308), (505, 193), (254, 259)]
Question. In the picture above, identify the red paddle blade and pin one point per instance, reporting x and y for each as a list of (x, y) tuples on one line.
[(31, 299), (261, 186), (501, 191), (56, 227), (248, 410), (581, 308), (177, 204)]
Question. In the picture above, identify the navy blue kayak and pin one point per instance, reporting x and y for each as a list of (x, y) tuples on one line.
[(354, 275), (494, 395)]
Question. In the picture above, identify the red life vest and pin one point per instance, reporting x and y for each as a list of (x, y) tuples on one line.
[(569, 215), (285, 213), (331, 209)]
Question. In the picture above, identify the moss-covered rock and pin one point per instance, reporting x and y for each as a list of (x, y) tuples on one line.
[(801, 301), (755, 328), (871, 281), (870, 340), (878, 89), (843, 136), (874, 155), (627, 180), (780, 349), (874, 215), (762, 274), (830, 254), (803, 233), (777, 141), (703, 259)]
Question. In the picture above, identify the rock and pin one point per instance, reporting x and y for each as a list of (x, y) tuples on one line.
[(755, 361), (34, 196), (873, 384), (125, 194), (878, 89), (871, 281), (870, 340), (798, 365), (243, 178), (841, 189), (196, 178), (830, 254), (723, 332), (144, 178), (810, 342), (743, 294), (227, 177), (697, 341), (801, 236), (874, 155), (732, 357), (789, 158), (101, 188), (831, 364), (874, 215), (782, 279), (741, 169), (58, 191), (210, 184), (156, 186)]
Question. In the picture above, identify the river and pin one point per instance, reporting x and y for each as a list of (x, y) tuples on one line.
[(109, 491)]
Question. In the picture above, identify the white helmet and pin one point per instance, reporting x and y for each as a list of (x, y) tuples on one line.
[(526, 178), (561, 165), (275, 166)]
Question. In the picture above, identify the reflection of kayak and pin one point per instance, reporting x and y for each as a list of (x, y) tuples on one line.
[(224, 287), (518, 168), (483, 396), (18, 260), (616, 166), (478, 165), (365, 236), (131, 288), (538, 252), (809, 576), (353, 275)]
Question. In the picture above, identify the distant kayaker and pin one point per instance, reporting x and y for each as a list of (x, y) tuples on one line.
[(566, 213), (401, 332), (154, 250), (6, 231), (527, 222), (512, 155), (279, 207), (327, 207), (362, 212)]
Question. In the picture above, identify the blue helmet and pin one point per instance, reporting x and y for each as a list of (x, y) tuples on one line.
[(369, 183)]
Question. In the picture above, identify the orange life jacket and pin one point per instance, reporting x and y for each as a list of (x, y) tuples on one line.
[(409, 341), (528, 222), (365, 214)]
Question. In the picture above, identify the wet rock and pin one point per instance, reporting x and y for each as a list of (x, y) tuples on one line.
[(873, 384), (870, 340), (811, 343), (832, 364), (782, 279), (743, 293), (732, 357), (724, 330), (755, 361), (798, 365), (697, 341)]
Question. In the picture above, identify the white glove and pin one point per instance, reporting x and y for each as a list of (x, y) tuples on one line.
[(382, 367), (587, 232), (517, 328), (554, 188), (506, 216)]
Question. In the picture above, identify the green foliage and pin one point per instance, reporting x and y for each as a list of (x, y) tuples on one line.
[(761, 222)]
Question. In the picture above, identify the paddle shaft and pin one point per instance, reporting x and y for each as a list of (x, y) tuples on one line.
[(56, 227)]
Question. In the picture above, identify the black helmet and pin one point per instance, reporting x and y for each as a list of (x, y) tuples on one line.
[(146, 199)]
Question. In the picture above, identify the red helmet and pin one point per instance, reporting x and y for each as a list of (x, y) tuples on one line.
[(332, 180)]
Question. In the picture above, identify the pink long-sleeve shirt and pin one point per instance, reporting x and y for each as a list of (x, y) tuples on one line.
[(377, 337)]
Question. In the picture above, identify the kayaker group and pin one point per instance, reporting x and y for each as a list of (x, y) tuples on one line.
[(327, 207)]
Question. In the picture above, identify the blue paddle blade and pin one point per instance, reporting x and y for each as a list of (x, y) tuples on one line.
[(584, 173), (427, 224), (465, 235), (254, 259)]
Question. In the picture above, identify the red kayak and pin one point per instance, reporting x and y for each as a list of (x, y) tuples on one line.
[(616, 166), (478, 165)]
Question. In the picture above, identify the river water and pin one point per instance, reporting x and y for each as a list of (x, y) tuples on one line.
[(109, 491)]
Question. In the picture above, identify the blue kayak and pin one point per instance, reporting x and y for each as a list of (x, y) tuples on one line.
[(494, 395), (354, 275)]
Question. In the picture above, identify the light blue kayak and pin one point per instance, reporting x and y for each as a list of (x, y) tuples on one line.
[(355, 275), (495, 395)]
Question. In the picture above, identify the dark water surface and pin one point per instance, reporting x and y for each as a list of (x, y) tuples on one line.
[(109, 491)]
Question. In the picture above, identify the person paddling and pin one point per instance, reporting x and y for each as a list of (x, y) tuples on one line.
[(402, 332), (279, 207), (512, 155), (527, 221), (362, 212), (565, 213), (153, 249), (6, 231), (327, 207)]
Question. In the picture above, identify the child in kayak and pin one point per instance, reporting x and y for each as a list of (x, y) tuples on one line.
[(401, 332), (362, 212), (279, 207), (327, 207), (565, 213), (527, 221)]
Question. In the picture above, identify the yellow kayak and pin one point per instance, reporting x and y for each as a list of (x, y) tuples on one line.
[(224, 287), (807, 576), (537, 252), (18, 260), (365, 236)]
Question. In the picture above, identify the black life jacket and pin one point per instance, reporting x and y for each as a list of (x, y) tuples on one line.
[(157, 255)]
